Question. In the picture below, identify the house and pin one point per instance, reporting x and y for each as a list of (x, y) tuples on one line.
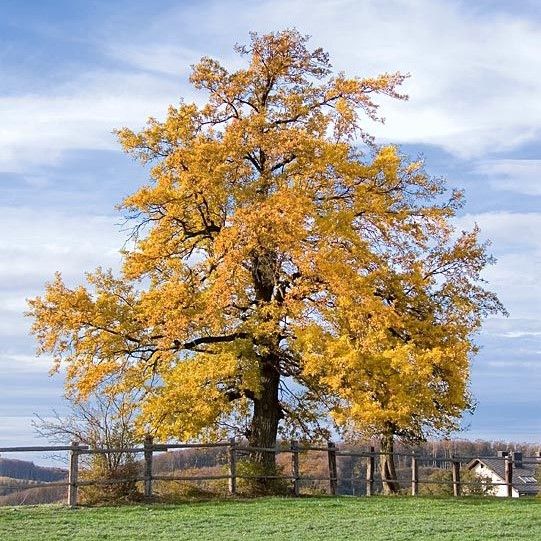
[(526, 480)]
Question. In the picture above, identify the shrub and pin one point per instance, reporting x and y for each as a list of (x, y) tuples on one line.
[(178, 491), (442, 484), (254, 480), (108, 474)]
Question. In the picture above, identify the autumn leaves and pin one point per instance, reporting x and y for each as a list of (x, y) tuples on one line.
[(282, 275)]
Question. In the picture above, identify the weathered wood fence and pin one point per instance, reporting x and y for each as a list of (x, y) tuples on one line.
[(236, 449)]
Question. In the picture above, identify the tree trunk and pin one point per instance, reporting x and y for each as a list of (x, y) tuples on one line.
[(267, 410), (266, 416), (387, 467)]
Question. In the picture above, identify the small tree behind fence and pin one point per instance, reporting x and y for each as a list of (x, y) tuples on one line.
[(297, 474)]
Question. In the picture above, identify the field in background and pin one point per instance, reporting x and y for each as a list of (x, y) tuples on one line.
[(314, 519), (19, 478)]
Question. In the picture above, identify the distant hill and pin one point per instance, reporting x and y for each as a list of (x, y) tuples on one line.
[(17, 478), (22, 469), (33, 496)]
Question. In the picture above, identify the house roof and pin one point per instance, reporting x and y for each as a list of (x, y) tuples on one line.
[(522, 486)]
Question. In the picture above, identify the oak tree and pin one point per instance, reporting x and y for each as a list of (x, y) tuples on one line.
[(284, 269)]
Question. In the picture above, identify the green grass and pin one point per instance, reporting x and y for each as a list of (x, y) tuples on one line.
[(392, 518)]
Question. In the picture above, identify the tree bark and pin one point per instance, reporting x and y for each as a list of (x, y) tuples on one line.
[(267, 410), (387, 466), (266, 416)]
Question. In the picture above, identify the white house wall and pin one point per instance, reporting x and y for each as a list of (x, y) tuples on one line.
[(500, 490)]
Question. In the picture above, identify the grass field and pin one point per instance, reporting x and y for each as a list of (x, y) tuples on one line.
[(393, 518)]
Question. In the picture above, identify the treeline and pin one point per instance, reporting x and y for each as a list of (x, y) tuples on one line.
[(313, 465), (17, 478), (22, 469), (34, 496), (433, 453), (189, 459), (448, 448), (351, 470)]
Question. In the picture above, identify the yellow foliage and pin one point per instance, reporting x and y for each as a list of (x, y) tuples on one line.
[(278, 270)]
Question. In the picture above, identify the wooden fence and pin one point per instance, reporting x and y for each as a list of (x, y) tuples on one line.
[(235, 449)]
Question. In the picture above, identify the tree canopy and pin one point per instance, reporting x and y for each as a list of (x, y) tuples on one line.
[(285, 269)]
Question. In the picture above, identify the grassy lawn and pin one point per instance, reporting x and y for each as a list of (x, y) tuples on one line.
[(311, 519)]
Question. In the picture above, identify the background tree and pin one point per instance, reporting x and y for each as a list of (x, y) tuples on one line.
[(101, 421), (440, 483), (278, 272), (104, 421), (409, 376)]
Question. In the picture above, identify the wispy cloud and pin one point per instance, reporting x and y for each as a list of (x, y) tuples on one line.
[(519, 176), (516, 243), (520, 334), (13, 363), (161, 57), (38, 129), (36, 244), (508, 231), (513, 328), (475, 86)]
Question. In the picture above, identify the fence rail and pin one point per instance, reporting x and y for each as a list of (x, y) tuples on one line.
[(236, 449)]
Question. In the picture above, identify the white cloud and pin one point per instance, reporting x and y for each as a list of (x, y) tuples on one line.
[(38, 128), (514, 329), (16, 362), (12, 303), (476, 76), (516, 243), (475, 86), (160, 57), (37, 243), (519, 176), (521, 334), (515, 364), (508, 231)]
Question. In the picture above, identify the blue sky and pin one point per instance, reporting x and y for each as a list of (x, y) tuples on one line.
[(73, 71)]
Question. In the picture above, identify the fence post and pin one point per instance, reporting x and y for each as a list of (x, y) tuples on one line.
[(370, 465), (148, 447), (509, 476), (73, 474), (232, 466), (333, 475), (456, 478), (414, 476), (295, 466)]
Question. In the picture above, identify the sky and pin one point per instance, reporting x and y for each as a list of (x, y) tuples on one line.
[(73, 71)]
